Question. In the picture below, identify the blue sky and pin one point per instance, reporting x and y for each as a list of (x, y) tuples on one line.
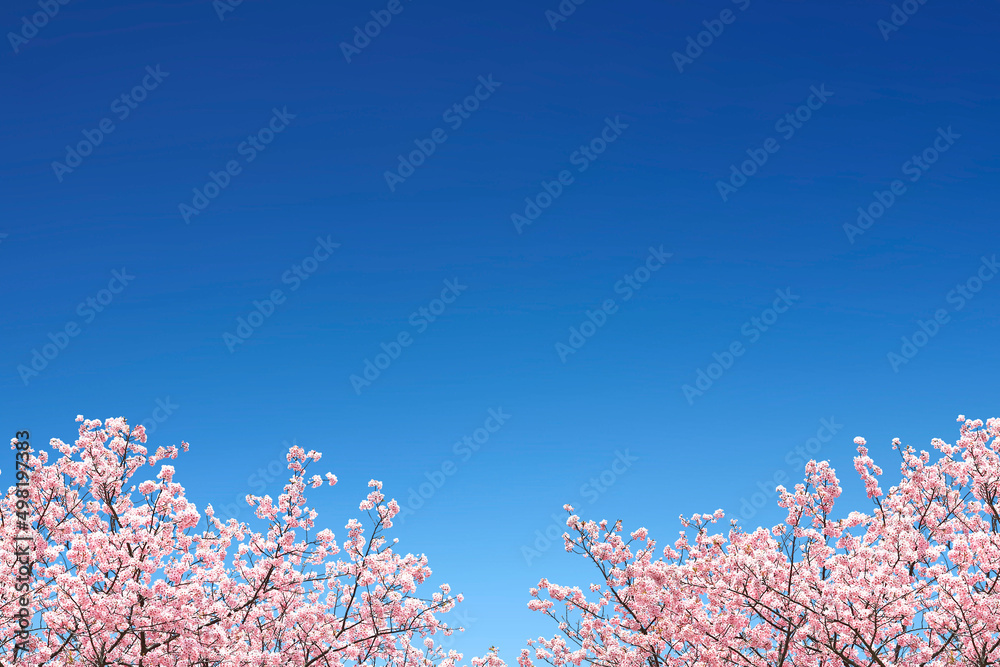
[(622, 146)]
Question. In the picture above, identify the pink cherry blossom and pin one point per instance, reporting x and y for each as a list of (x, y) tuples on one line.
[(128, 572), (914, 581)]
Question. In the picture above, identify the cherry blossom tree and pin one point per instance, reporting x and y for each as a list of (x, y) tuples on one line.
[(124, 574), (126, 571), (913, 581)]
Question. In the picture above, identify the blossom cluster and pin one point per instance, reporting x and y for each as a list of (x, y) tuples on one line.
[(911, 582), (129, 572)]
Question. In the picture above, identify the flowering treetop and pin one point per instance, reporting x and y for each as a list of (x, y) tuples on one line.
[(914, 581), (123, 575)]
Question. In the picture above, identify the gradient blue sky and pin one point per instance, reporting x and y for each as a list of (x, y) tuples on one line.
[(323, 176)]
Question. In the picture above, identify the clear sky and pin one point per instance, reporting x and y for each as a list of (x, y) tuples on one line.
[(212, 161)]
